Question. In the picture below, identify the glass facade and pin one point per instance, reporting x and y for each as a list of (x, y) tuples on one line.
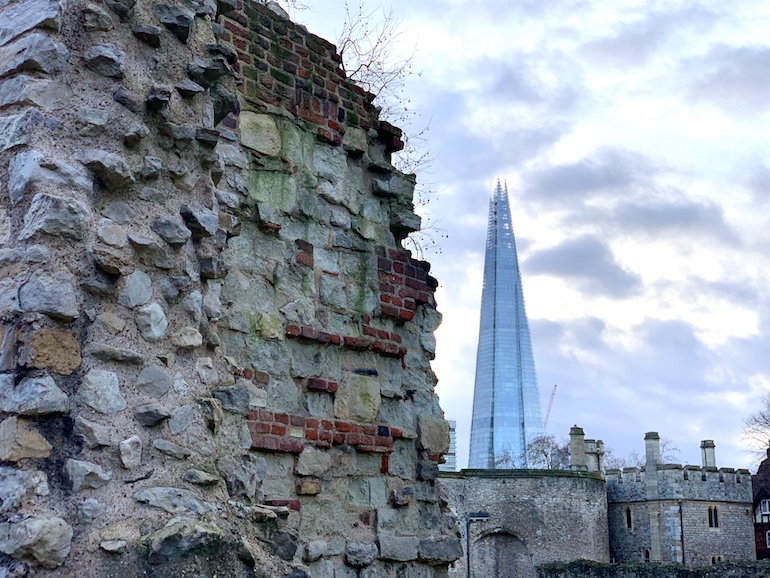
[(506, 399)]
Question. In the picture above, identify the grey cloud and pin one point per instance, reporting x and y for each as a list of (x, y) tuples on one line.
[(730, 77), (609, 170), (589, 263), (635, 42)]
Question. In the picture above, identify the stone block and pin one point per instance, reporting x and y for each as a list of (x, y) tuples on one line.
[(153, 381), (18, 129), (179, 537), (86, 475), (21, 17), (45, 540), (20, 440), (173, 500), (398, 548), (56, 216), (32, 396), (34, 51), (313, 462), (358, 398), (355, 141), (276, 189), (151, 322), (359, 554), (100, 390), (433, 434), (54, 295), (137, 289), (131, 452), (259, 132), (23, 90), (105, 59), (94, 435), (440, 550), (367, 492), (29, 168), (111, 170), (56, 350)]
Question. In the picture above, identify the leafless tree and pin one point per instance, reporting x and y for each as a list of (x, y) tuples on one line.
[(545, 452), (669, 454), (756, 430)]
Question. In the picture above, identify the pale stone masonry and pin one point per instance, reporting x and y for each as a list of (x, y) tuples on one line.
[(215, 353)]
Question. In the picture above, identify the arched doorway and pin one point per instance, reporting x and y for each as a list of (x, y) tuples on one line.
[(501, 555)]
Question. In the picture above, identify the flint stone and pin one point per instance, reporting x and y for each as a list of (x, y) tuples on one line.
[(171, 231), (91, 121), (148, 34), (151, 322), (135, 134), (20, 440), (23, 16), (94, 435), (9, 296), (243, 476), (28, 169), (119, 212), (56, 216), (180, 537), (53, 295), (109, 353), (360, 554), (34, 52), (85, 475), (24, 90), (129, 99), (200, 478), (137, 291), (313, 462), (187, 88), (172, 287), (315, 549), (17, 129), (111, 233), (173, 500), (201, 221), (187, 337), (131, 452), (32, 396), (150, 414), (111, 322), (97, 18), (171, 449), (121, 7), (398, 548), (192, 304), (206, 71), (259, 132), (181, 419), (152, 195), (234, 398), (100, 390), (440, 550), (177, 19), (45, 540), (114, 546), (89, 510), (15, 484), (106, 59), (153, 381), (111, 170)]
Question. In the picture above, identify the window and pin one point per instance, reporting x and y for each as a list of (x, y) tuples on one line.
[(715, 559), (767, 538), (764, 506), (629, 521), (646, 554), (713, 517)]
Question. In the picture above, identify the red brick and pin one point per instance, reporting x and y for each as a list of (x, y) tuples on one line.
[(383, 442), (327, 425), (395, 337), (354, 438), (266, 415), (410, 304), (343, 426), (290, 445), (310, 422), (294, 330), (305, 259), (282, 418), (391, 349), (395, 433), (415, 284), (308, 332), (371, 331), (383, 334), (406, 315), (384, 465), (384, 264), (396, 301), (396, 279), (389, 310), (304, 246), (338, 439), (335, 339), (333, 387), (370, 430), (324, 337), (397, 255), (278, 429), (367, 440), (311, 434), (384, 298), (262, 428), (398, 268)]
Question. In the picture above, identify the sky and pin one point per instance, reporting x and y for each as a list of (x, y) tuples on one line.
[(633, 137)]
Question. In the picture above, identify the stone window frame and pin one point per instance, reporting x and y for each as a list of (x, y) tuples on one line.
[(646, 555), (713, 517), (629, 518), (716, 559)]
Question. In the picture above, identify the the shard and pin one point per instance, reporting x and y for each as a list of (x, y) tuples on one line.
[(506, 399)]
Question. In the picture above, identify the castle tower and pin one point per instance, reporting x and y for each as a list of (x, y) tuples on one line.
[(506, 399)]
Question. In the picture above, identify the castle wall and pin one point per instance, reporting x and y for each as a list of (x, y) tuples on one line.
[(215, 354), (675, 514), (535, 516)]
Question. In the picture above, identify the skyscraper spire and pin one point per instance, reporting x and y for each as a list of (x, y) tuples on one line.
[(506, 399)]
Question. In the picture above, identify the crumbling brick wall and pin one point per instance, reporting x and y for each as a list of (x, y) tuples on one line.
[(215, 353)]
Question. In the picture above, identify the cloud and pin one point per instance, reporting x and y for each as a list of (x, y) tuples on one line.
[(633, 43), (731, 77), (589, 263), (608, 171)]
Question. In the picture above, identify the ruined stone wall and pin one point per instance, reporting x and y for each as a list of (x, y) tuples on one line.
[(534, 517), (215, 353)]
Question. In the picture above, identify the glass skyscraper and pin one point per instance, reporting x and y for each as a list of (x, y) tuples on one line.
[(506, 399)]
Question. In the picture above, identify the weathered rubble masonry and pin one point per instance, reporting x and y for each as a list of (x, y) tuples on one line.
[(215, 354)]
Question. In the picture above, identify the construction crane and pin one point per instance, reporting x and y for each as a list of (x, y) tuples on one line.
[(550, 405)]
